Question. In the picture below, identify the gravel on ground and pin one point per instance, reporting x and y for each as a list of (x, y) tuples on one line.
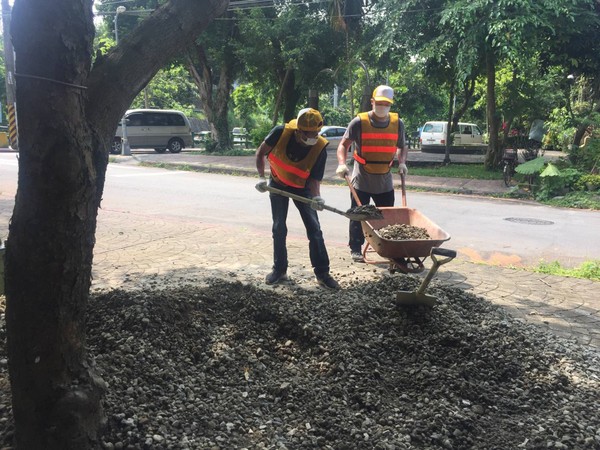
[(223, 364)]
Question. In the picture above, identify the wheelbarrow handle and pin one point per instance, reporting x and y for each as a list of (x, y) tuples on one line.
[(449, 256)]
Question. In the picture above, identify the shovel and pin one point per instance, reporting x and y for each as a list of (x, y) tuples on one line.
[(419, 297), (359, 216), (372, 210)]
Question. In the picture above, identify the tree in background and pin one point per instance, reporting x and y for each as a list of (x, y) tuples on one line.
[(68, 108), (213, 66), (285, 47)]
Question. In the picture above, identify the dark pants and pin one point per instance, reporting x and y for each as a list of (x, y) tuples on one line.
[(357, 238), (316, 244)]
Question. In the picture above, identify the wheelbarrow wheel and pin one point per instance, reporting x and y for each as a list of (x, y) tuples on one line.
[(407, 265)]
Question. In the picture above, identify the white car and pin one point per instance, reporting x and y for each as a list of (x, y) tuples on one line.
[(333, 134), (468, 136), (160, 129)]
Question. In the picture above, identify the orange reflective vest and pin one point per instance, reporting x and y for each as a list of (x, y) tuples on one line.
[(288, 172), (378, 145)]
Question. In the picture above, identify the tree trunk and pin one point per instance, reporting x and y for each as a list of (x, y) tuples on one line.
[(68, 115), (493, 155), (215, 103), (290, 98), (449, 124)]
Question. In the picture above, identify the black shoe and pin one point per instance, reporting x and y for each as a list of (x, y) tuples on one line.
[(357, 257), (275, 277), (328, 282)]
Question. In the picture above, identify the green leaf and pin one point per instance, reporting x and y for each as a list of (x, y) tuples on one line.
[(550, 171), (531, 167)]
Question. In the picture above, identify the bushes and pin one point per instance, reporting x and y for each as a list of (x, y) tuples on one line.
[(587, 158), (590, 182)]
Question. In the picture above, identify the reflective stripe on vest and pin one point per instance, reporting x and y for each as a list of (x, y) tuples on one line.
[(378, 145), (293, 173)]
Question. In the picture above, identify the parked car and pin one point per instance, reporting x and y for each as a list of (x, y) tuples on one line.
[(333, 134), (239, 136), (160, 129), (467, 137)]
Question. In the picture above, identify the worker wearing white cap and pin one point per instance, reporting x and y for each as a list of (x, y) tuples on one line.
[(379, 138)]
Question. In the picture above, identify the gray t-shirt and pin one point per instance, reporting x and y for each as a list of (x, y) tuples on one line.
[(361, 179)]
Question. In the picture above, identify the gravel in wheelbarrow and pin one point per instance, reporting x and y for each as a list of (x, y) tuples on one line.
[(406, 248)]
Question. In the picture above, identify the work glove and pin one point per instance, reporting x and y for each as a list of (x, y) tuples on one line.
[(317, 203), (402, 169), (261, 186), (342, 170)]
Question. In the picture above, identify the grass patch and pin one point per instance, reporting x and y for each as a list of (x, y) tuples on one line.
[(589, 270), (230, 152), (576, 199), (469, 171)]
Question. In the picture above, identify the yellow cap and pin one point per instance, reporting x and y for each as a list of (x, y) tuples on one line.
[(383, 94), (309, 119)]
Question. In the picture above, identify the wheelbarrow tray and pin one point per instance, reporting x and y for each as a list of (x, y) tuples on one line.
[(408, 248)]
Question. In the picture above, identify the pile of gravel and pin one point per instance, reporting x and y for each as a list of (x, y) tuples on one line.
[(230, 365)]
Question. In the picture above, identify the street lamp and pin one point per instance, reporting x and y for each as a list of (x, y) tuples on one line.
[(125, 149)]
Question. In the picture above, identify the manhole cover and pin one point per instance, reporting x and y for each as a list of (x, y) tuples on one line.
[(528, 221)]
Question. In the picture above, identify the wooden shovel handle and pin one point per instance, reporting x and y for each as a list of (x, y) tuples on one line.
[(403, 186), (354, 194)]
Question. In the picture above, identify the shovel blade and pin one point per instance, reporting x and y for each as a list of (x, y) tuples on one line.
[(404, 298)]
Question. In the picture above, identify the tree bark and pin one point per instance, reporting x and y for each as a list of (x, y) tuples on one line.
[(492, 156), (215, 102), (68, 113), (449, 127)]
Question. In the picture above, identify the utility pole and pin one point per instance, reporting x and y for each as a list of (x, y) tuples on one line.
[(11, 89)]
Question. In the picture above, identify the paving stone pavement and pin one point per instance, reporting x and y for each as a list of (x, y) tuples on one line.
[(142, 252)]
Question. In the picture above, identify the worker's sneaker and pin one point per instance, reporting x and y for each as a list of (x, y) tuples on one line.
[(328, 282), (275, 277), (357, 257)]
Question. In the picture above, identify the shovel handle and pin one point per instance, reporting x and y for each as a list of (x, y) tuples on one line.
[(448, 255), (354, 194), (403, 187), (309, 201)]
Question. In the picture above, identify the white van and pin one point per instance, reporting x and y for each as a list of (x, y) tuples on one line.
[(467, 137), (160, 129)]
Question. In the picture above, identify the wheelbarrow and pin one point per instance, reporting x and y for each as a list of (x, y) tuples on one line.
[(406, 256)]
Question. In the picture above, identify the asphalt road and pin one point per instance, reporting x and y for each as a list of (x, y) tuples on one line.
[(495, 231)]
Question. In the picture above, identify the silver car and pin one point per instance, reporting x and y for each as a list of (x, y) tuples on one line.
[(333, 134)]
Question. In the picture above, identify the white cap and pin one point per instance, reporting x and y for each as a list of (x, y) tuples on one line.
[(383, 94)]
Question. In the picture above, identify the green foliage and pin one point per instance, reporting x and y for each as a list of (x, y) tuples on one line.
[(561, 182), (586, 158), (535, 166), (589, 270), (332, 116), (171, 88), (470, 171), (576, 199), (244, 100), (560, 130), (590, 182), (258, 134)]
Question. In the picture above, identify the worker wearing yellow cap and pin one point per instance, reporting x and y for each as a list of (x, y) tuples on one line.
[(297, 157), (379, 138)]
